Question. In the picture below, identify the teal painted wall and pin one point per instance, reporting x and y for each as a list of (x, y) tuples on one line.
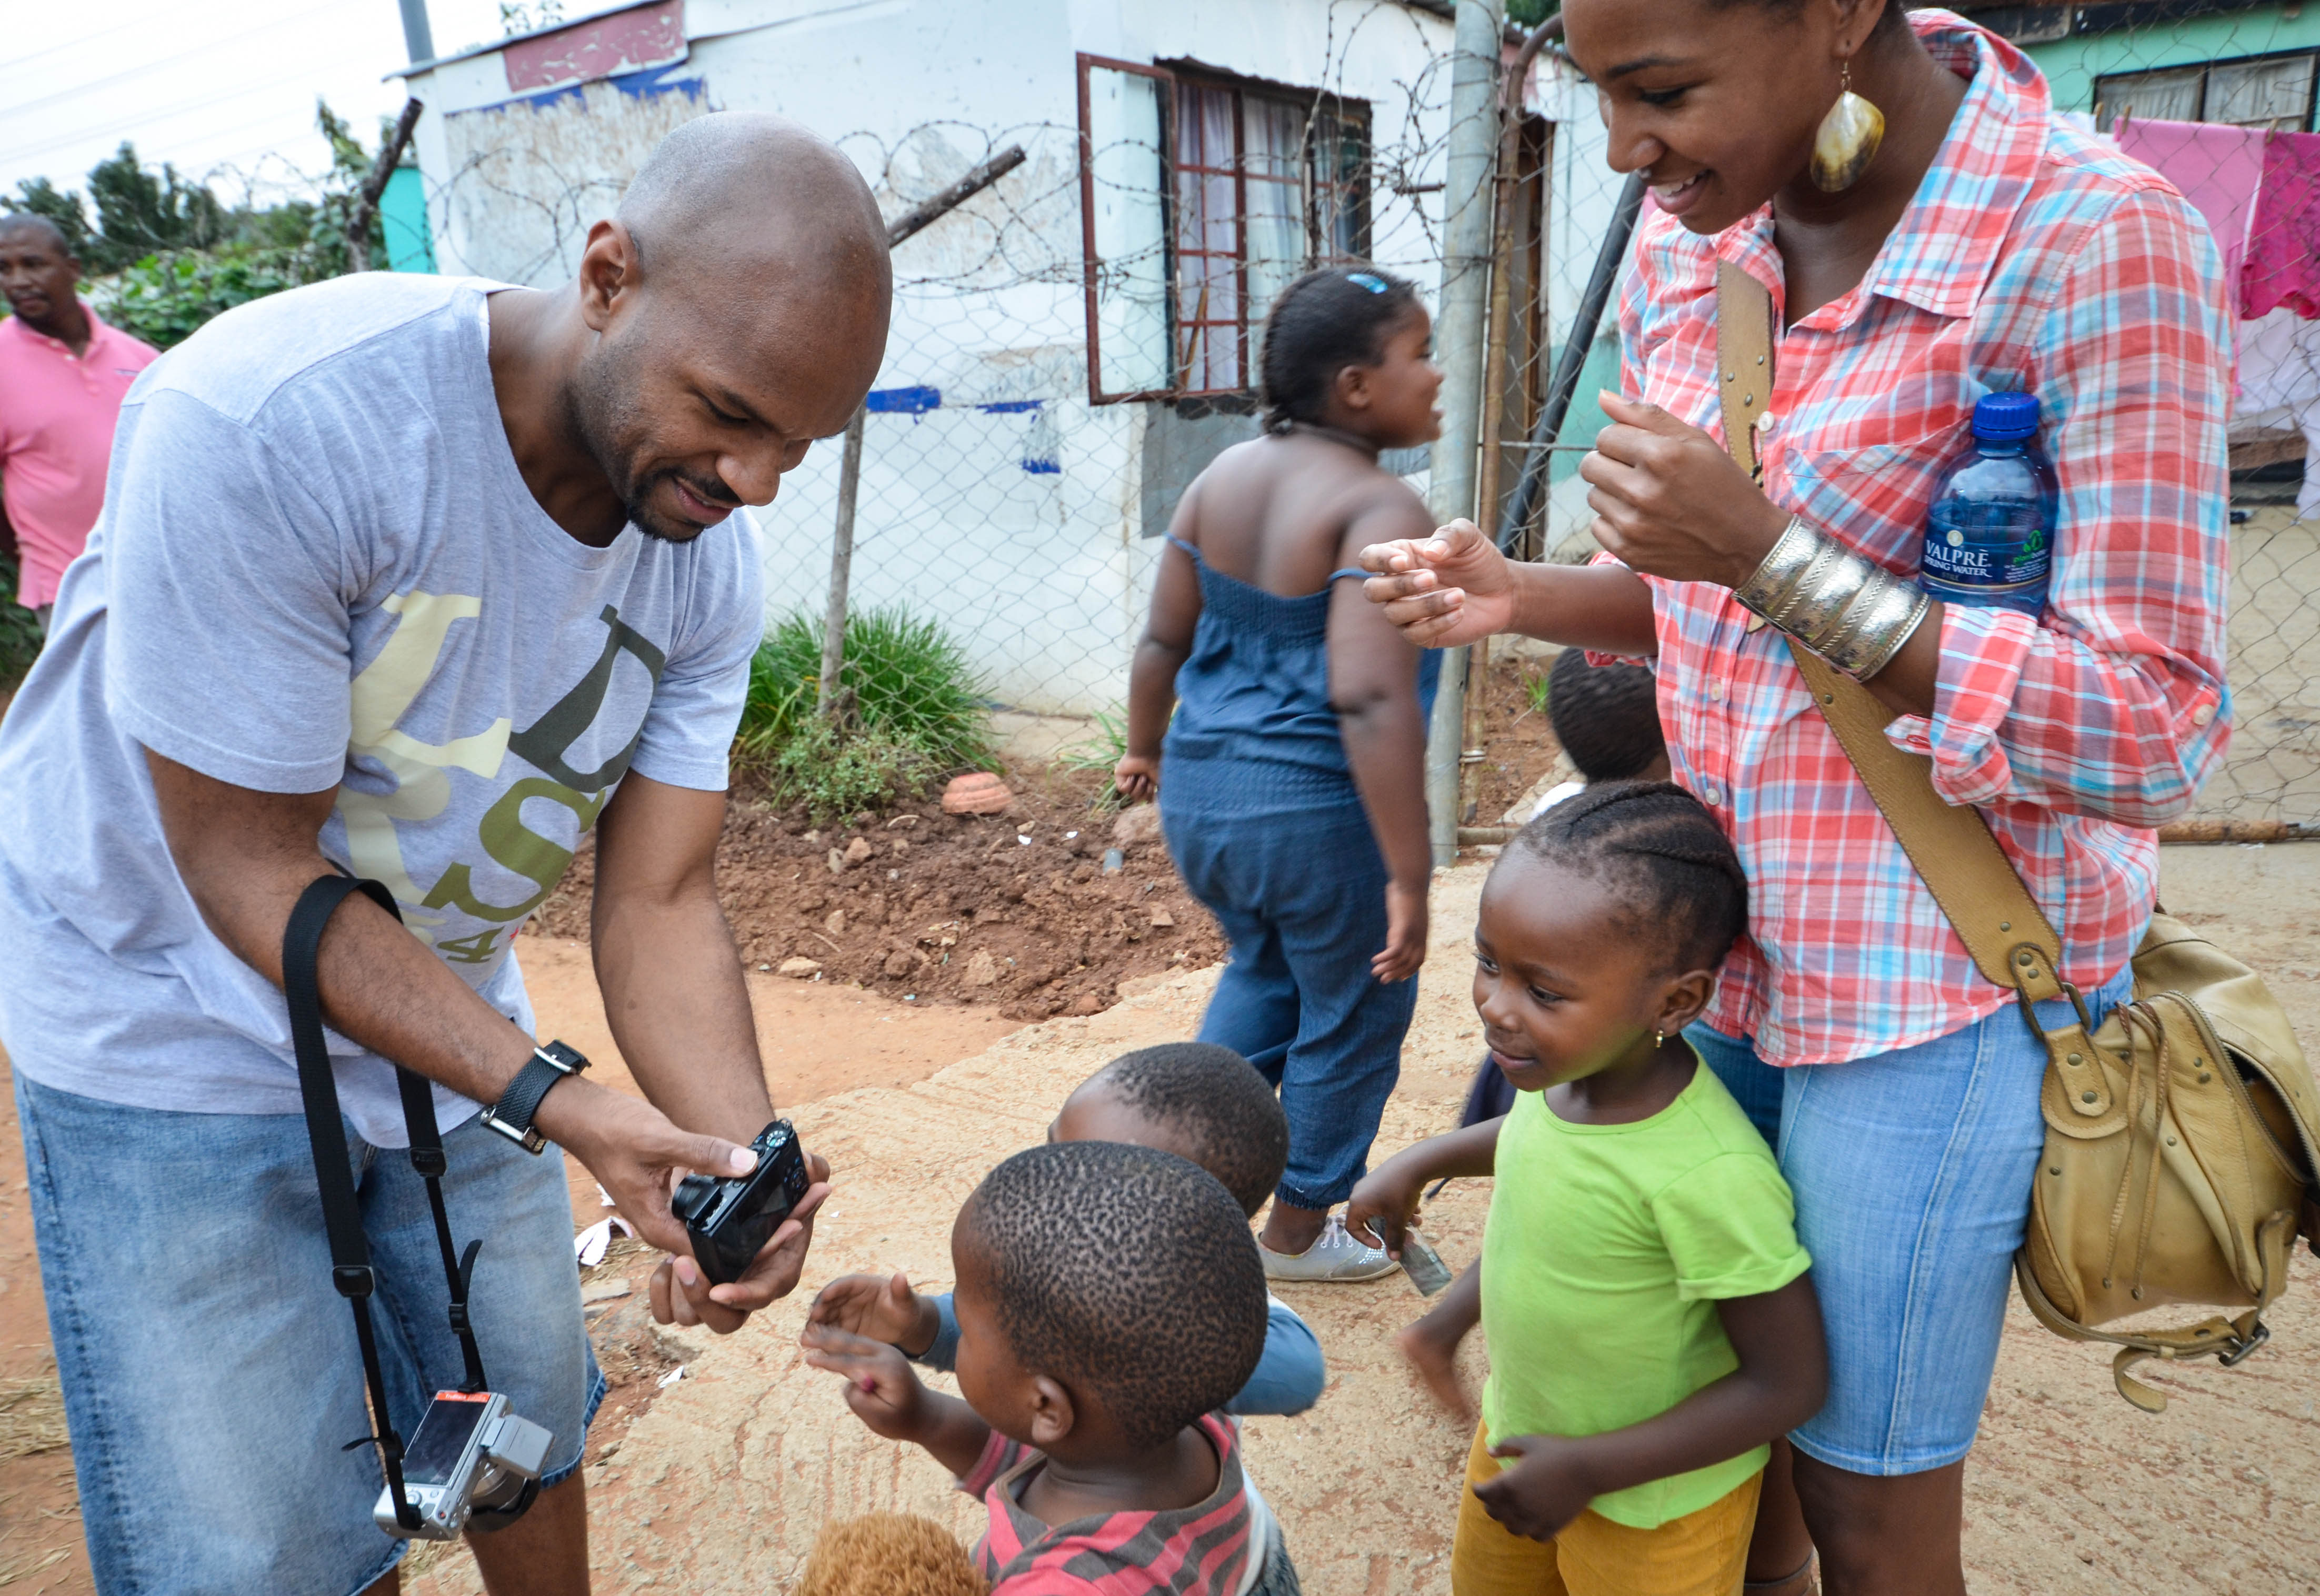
[(403, 219), (2072, 65), (1585, 417)]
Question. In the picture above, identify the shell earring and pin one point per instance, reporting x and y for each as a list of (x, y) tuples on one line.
[(1847, 139)]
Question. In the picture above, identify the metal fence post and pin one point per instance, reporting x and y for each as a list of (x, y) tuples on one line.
[(841, 566), (926, 213), (850, 467), (1460, 336)]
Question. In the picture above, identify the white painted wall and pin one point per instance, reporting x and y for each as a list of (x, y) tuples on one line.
[(1018, 526)]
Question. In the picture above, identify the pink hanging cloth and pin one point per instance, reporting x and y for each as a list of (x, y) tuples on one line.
[(2283, 239), (2218, 168)]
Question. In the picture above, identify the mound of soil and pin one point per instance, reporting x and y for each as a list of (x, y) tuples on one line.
[(1015, 909)]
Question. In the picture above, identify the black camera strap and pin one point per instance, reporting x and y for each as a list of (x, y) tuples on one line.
[(350, 1267)]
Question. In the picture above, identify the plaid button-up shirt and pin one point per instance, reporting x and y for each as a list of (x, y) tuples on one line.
[(2033, 259)]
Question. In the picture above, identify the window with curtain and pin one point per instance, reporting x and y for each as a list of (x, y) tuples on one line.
[(1204, 196)]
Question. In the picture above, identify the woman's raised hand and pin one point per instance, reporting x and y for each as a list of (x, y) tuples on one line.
[(1451, 588), (1670, 502)]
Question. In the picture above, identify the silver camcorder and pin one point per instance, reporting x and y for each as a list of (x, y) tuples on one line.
[(470, 1455)]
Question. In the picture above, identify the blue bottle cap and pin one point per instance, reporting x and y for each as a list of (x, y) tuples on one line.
[(2001, 417)]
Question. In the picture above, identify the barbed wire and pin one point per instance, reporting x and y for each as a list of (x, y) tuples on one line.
[(999, 499)]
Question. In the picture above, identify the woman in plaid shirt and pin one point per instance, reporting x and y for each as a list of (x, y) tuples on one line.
[(1987, 246)]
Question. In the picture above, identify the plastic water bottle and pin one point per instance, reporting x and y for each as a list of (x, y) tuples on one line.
[(1990, 539)]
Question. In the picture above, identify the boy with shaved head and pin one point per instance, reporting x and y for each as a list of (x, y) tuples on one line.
[(421, 579), (1110, 1302)]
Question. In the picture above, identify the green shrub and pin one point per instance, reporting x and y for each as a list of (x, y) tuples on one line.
[(20, 629), (836, 772), (164, 299), (911, 710)]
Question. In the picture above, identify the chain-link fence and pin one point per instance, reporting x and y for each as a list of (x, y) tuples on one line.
[(1075, 344), (2220, 98)]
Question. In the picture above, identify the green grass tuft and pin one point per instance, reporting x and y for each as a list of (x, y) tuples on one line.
[(1102, 749), (913, 712)]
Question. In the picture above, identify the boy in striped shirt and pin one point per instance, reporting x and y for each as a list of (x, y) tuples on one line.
[(1109, 1302)]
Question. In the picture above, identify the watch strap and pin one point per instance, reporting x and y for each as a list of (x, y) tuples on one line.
[(511, 1116)]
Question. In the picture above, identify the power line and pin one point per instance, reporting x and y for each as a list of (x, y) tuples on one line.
[(166, 62), (105, 129), (82, 42)]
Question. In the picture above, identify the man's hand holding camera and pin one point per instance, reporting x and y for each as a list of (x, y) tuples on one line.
[(640, 1156)]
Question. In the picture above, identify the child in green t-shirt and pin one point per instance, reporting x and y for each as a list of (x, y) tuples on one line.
[(1650, 1320)]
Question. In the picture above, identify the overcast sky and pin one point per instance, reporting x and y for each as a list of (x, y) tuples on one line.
[(224, 88)]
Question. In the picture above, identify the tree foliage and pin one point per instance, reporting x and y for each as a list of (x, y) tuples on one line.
[(170, 255)]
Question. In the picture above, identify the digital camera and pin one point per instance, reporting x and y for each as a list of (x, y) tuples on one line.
[(472, 1465), (730, 1219)]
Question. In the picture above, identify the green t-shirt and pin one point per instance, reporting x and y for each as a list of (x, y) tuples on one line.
[(1607, 1248)]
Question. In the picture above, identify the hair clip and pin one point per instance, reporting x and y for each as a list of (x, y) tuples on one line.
[(1361, 280)]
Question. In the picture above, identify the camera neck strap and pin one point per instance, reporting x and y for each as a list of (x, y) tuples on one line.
[(350, 1267)]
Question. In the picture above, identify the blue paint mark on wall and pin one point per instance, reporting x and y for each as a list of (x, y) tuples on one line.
[(1039, 459), (649, 84), (915, 401)]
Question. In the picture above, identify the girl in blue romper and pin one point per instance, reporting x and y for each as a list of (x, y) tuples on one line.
[(1294, 802)]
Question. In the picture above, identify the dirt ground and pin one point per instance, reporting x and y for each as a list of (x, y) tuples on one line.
[(720, 1485), (716, 1481), (1018, 909)]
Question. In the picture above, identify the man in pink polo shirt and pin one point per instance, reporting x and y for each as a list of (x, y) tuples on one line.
[(63, 374)]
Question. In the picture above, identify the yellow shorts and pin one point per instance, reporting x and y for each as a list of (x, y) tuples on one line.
[(1701, 1554)]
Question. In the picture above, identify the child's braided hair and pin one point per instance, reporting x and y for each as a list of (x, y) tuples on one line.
[(1320, 324), (1676, 868)]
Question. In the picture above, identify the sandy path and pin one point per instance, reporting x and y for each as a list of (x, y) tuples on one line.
[(719, 1486)]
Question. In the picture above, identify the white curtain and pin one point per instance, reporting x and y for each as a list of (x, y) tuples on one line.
[(1275, 169), (1208, 239)]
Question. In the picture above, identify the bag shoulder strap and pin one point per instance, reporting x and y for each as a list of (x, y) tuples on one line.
[(1950, 845)]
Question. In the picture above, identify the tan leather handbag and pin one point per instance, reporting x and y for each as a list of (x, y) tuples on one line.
[(2182, 1151)]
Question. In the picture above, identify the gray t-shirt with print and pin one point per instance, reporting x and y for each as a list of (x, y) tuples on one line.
[(318, 566)]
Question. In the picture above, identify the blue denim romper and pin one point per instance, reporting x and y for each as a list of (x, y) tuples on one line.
[(1263, 822)]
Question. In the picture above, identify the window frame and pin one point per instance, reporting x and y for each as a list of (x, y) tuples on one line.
[(1089, 261), (2205, 70), (1341, 116)]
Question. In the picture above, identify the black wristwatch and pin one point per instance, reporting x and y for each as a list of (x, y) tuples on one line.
[(550, 1063)]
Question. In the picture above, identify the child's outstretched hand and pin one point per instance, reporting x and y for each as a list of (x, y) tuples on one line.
[(881, 1307), (1385, 1204), (1136, 777), (880, 1387), (1546, 1489), (1405, 933)]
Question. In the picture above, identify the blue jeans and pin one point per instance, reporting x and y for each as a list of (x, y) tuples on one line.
[(1912, 1173), (210, 1371), (1301, 898)]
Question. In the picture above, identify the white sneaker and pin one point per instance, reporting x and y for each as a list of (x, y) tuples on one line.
[(1335, 1255)]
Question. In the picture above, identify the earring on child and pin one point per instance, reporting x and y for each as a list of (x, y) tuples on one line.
[(1847, 139), (1659, 1039)]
